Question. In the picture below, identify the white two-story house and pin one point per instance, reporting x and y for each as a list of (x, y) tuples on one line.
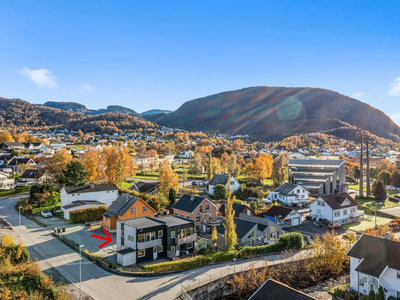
[(86, 196), (222, 179), (375, 262), (289, 194), (340, 208)]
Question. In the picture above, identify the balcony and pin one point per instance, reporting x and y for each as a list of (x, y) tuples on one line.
[(186, 239), (357, 213), (149, 244)]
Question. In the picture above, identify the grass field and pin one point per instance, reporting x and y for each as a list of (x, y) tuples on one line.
[(367, 222), (125, 185), (371, 203)]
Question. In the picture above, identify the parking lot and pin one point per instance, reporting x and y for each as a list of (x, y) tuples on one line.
[(308, 228)]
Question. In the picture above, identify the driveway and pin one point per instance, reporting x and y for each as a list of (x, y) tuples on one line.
[(308, 228), (395, 211)]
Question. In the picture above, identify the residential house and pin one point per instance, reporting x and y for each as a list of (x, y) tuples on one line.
[(144, 187), (32, 177), (186, 154), (12, 146), (199, 209), (238, 209), (46, 149), (289, 194), (17, 162), (5, 183), (375, 262), (222, 179), (340, 208), (124, 208), (79, 197), (267, 230), (247, 233), (33, 147), (275, 290), (285, 216)]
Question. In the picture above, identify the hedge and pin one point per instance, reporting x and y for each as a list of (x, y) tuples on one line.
[(289, 241), (182, 264), (87, 214), (18, 189), (367, 209), (224, 256)]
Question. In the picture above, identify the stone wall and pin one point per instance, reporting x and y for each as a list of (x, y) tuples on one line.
[(213, 290)]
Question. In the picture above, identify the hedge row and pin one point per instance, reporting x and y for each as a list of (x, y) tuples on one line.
[(224, 256), (367, 209), (18, 189), (289, 241), (182, 264), (87, 214)]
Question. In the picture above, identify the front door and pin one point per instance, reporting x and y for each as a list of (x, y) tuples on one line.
[(154, 253), (177, 250)]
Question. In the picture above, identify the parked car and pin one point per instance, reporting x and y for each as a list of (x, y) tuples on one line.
[(46, 214), (333, 225), (251, 199), (265, 200)]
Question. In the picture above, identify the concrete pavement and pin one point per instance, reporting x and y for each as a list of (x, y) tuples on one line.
[(102, 284)]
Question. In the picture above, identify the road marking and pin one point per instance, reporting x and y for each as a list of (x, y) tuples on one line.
[(61, 272)]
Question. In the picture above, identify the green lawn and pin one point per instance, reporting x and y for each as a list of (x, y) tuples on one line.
[(371, 203), (367, 222), (125, 185)]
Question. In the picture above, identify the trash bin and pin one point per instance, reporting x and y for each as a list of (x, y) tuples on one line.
[(63, 229), (55, 230), (58, 230)]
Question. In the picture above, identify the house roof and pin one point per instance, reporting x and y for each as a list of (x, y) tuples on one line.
[(144, 187), (242, 227), (81, 203), (88, 189), (126, 251), (377, 253), (172, 220), (308, 170), (286, 188), (17, 161), (142, 222), (219, 179), (188, 203), (14, 144), (310, 177), (279, 211), (237, 207), (122, 204), (32, 174), (315, 162), (335, 200), (275, 290), (261, 227)]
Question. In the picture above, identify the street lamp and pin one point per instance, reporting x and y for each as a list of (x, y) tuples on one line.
[(19, 220), (80, 272)]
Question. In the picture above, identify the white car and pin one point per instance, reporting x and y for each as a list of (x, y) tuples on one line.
[(46, 214), (266, 200)]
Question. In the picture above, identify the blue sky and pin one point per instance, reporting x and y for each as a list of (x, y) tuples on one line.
[(159, 54)]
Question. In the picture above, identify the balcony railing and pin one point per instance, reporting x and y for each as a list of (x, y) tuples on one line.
[(186, 239), (356, 214), (149, 244)]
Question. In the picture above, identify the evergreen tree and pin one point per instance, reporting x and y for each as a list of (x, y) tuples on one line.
[(381, 294), (219, 192), (395, 178), (172, 196), (379, 190), (230, 226), (371, 295), (73, 175)]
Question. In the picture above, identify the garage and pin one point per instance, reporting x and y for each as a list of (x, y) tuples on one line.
[(295, 221), (126, 257)]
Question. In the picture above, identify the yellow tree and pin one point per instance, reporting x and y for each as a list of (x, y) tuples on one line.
[(230, 226), (111, 157), (59, 162), (93, 162), (168, 179), (262, 167), (125, 165), (5, 136)]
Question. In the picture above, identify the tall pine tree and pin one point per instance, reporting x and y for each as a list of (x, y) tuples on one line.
[(230, 226)]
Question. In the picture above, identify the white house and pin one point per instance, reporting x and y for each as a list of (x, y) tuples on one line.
[(32, 177), (79, 197), (285, 216), (186, 154), (46, 149), (289, 193), (375, 262), (5, 183), (340, 208), (222, 179)]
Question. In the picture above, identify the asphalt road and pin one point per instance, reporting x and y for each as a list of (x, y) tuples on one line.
[(101, 284)]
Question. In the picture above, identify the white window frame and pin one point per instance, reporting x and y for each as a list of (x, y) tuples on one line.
[(160, 247), (144, 209), (144, 253), (187, 245), (173, 234), (172, 248), (160, 235), (133, 210)]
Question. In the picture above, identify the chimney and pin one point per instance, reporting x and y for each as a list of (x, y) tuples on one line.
[(91, 185), (192, 197), (387, 235)]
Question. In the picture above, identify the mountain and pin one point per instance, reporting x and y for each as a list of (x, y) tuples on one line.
[(272, 113), (20, 114), (80, 108), (155, 112)]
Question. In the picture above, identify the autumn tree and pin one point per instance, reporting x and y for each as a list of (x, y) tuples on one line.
[(210, 166), (384, 176), (196, 165), (5, 136), (262, 167), (233, 167), (216, 166), (119, 164), (94, 163), (73, 175), (386, 165), (168, 179), (59, 162), (230, 226), (214, 236), (280, 169)]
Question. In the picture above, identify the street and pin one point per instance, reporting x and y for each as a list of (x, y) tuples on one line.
[(101, 284)]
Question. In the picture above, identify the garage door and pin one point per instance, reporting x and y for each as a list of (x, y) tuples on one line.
[(295, 221)]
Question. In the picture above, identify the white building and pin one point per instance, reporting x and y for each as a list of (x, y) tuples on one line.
[(375, 262), (289, 194), (5, 183), (186, 154), (79, 197), (340, 208), (284, 216), (222, 179)]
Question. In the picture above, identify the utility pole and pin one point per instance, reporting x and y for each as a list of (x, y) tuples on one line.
[(80, 273), (19, 220), (368, 174), (361, 191)]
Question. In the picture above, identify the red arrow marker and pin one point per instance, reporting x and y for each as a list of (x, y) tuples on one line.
[(108, 239)]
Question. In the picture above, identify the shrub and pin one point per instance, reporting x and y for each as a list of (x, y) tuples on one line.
[(182, 264), (339, 292), (224, 256), (17, 253), (87, 214)]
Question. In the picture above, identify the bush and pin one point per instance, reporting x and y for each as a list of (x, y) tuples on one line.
[(224, 256), (17, 253), (370, 210), (338, 292), (87, 214), (182, 264)]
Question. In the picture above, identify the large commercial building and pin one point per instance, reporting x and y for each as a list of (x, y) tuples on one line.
[(318, 176)]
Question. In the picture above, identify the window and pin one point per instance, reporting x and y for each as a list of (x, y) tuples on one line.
[(251, 235), (153, 235), (188, 217), (160, 233), (141, 253), (189, 245), (172, 234), (144, 208), (197, 218), (321, 203), (130, 238), (78, 194), (337, 214), (108, 191), (344, 212), (181, 233), (298, 191), (141, 238), (211, 216), (133, 210), (302, 196), (232, 182), (207, 206), (172, 248), (201, 208), (398, 274), (73, 195), (189, 231), (160, 248), (352, 210)]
